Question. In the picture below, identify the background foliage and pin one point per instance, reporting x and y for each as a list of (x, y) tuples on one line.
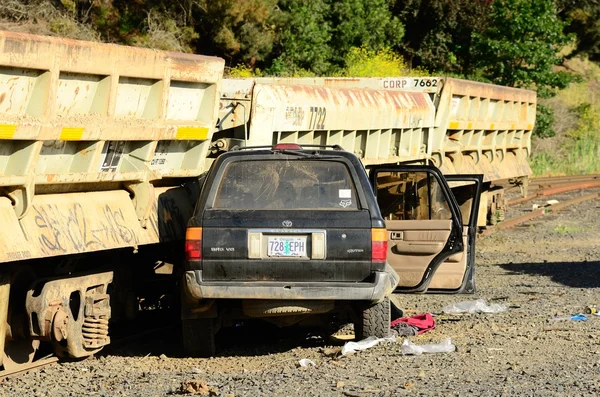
[(546, 45)]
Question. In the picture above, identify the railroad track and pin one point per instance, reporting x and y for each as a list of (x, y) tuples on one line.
[(549, 187), (18, 369), (23, 368)]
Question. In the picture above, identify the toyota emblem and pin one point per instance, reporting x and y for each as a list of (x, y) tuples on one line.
[(287, 223)]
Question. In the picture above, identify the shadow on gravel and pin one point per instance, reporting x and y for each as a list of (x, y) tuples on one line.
[(249, 338), (570, 274)]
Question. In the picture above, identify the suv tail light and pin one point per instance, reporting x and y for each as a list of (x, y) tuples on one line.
[(193, 243), (379, 245)]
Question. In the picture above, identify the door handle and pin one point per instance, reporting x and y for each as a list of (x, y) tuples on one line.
[(397, 235)]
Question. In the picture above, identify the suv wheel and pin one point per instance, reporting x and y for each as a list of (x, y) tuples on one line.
[(373, 321), (199, 337)]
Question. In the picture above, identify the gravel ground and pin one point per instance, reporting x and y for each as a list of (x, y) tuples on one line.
[(545, 269)]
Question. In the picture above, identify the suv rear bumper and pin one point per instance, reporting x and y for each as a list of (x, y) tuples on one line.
[(383, 285)]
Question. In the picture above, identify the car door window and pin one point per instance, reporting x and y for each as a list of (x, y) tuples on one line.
[(411, 196)]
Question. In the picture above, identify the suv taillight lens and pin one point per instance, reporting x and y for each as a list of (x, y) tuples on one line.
[(379, 245), (193, 243)]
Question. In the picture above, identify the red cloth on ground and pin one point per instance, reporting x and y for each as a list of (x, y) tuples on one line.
[(424, 322)]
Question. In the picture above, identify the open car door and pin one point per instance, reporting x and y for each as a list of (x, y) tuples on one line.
[(431, 231)]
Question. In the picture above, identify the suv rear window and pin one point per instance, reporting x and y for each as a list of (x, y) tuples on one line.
[(286, 184)]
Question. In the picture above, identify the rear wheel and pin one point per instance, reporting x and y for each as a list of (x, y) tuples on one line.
[(373, 320), (199, 337)]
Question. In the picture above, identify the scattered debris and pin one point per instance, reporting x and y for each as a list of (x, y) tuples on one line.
[(408, 385), (198, 387), (415, 325), (592, 309), (364, 344), (576, 317), (305, 362), (444, 347), (332, 351), (476, 306)]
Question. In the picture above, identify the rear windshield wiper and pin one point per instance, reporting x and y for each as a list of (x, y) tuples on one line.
[(299, 153)]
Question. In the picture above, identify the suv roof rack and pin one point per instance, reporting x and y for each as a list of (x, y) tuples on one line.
[(310, 146)]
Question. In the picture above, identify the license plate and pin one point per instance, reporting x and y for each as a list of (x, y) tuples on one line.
[(286, 246)]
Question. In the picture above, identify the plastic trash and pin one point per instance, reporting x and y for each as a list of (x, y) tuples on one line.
[(305, 362), (476, 306), (576, 317), (351, 347), (445, 346), (579, 317)]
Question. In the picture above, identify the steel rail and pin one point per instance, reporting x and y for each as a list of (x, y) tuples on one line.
[(510, 223), (27, 367), (544, 192)]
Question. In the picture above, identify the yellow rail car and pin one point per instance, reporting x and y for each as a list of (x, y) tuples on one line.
[(95, 140), (460, 126)]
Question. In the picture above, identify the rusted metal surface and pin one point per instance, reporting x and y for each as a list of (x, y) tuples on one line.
[(71, 312), (543, 192), (545, 182), (379, 126), (484, 128), (27, 367), (76, 116), (510, 223), (70, 223), (50, 83), (477, 128), (419, 84)]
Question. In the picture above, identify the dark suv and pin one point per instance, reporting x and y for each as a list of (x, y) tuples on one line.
[(282, 233)]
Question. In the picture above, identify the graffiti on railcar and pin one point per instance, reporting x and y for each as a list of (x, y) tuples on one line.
[(294, 114), (64, 230)]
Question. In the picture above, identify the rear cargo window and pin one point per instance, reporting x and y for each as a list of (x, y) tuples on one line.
[(285, 184)]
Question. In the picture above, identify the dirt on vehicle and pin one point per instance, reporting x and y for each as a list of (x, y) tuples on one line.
[(544, 272)]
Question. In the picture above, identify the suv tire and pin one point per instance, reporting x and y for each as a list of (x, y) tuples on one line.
[(199, 337), (373, 321)]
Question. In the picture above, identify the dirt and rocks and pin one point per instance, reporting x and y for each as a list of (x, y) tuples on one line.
[(543, 270)]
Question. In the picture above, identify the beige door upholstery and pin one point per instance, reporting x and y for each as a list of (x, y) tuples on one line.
[(451, 272), (413, 244)]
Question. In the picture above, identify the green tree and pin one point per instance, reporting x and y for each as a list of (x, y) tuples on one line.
[(583, 18), (304, 38), (438, 32), (315, 36), (241, 31), (521, 44), (362, 23), (520, 47)]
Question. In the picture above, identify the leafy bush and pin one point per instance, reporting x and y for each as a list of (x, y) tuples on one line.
[(362, 62)]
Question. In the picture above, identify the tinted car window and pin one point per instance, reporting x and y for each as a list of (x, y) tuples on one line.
[(411, 196), (286, 184)]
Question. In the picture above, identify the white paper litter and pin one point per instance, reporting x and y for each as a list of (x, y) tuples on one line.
[(476, 306), (445, 346), (305, 362), (351, 347)]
